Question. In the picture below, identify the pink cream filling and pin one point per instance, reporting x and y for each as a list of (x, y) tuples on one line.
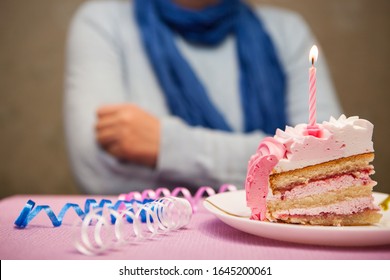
[(343, 208), (323, 186)]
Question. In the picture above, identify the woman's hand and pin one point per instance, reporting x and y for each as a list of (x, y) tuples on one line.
[(129, 133)]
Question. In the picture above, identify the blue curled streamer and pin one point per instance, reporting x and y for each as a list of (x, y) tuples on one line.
[(28, 212)]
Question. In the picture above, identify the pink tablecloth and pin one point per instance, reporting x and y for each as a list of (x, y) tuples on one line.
[(205, 238)]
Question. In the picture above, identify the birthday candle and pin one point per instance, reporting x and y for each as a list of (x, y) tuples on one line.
[(312, 87)]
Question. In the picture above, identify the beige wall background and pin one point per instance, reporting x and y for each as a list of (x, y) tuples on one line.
[(354, 34)]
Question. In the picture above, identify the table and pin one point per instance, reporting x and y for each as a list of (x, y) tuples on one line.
[(204, 238)]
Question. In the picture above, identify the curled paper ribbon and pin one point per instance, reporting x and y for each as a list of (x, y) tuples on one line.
[(164, 192), (95, 235), (29, 211)]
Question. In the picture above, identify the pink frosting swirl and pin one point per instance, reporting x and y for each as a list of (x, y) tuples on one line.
[(260, 165)]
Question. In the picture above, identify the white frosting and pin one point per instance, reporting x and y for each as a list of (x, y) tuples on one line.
[(338, 138)]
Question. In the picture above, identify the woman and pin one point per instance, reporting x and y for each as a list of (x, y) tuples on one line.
[(179, 93)]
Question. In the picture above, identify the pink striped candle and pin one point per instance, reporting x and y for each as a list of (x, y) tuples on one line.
[(312, 127)]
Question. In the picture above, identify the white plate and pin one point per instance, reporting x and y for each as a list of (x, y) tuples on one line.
[(230, 208)]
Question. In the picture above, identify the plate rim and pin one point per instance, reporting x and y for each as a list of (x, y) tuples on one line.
[(295, 228)]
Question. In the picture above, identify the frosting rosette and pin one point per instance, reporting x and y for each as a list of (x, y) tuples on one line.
[(338, 138), (354, 121)]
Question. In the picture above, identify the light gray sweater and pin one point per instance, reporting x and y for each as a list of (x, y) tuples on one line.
[(106, 64)]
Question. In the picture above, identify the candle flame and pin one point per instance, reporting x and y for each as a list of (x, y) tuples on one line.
[(313, 54)]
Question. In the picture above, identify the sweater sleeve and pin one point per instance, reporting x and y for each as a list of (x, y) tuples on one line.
[(93, 78), (205, 156)]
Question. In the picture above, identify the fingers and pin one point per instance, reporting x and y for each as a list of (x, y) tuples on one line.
[(106, 122), (109, 140), (108, 127), (106, 136), (109, 109), (114, 150), (128, 133), (114, 115)]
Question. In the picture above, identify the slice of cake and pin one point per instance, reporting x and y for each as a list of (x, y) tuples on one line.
[(319, 180)]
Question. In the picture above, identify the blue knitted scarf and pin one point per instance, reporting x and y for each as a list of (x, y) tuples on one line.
[(262, 80)]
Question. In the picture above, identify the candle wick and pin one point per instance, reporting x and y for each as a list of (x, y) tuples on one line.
[(312, 61)]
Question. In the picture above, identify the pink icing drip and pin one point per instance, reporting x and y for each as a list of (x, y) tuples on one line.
[(260, 166)]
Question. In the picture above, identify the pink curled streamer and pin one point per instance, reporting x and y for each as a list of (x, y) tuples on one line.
[(176, 192)]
